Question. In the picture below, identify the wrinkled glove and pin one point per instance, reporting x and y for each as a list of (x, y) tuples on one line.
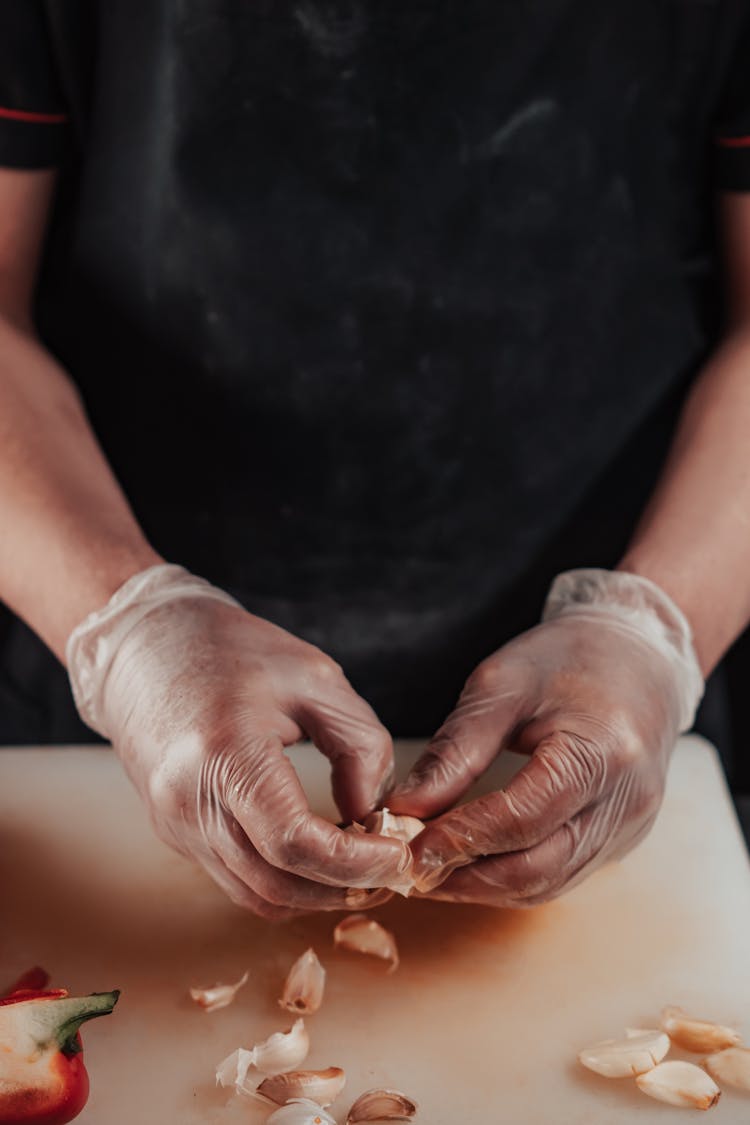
[(198, 698), (597, 695)]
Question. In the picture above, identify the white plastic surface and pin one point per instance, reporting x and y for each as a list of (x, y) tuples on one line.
[(482, 1021)]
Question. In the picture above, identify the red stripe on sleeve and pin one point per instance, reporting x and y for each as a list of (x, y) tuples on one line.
[(733, 142), (34, 118)]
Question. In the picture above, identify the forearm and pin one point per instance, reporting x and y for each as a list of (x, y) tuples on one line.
[(68, 538), (694, 537)]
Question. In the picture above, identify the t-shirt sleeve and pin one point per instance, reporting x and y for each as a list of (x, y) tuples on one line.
[(732, 137), (33, 117)]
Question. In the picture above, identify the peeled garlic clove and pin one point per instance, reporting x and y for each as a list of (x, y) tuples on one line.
[(385, 823), (364, 935), (631, 1032), (320, 1086), (381, 1105), (731, 1065), (680, 1083), (303, 990), (622, 1058), (220, 996), (696, 1035), (300, 1111)]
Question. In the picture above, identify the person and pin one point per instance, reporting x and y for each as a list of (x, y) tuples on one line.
[(380, 315)]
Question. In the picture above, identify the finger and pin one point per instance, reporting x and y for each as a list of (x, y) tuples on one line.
[(563, 775), (242, 895), (264, 794), (536, 874), (280, 888), (463, 748), (346, 729)]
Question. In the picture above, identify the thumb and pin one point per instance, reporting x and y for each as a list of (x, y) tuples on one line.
[(346, 729), (466, 744)]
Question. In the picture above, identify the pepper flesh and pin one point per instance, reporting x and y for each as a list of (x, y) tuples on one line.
[(42, 1076)]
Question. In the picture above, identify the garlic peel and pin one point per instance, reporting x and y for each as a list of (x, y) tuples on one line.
[(303, 988), (696, 1035), (623, 1058), (320, 1086), (732, 1065), (361, 934), (381, 1105), (396, 827), (218, 996), (300, 1111), (284, 1050), (680, 1083)]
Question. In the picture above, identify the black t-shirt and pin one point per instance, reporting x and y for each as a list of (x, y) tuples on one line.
[(383, 310)]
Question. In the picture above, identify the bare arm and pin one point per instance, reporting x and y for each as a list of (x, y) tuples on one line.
[(67, 536), (694, 537)]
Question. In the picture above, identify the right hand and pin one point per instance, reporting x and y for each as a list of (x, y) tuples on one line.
[(198, 698)]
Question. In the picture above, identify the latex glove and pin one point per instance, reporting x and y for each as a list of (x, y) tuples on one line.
[(597, 695), (198, 698)]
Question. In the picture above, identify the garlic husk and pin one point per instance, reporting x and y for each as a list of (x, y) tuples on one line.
[(303, 988), (381, 1105), (364, 935), (320, 1086), (219, 996), (697, 1035), (300, 1111), (622, 1058), (731, 1066), (284, 1050), (680, 1083), (396, 827)]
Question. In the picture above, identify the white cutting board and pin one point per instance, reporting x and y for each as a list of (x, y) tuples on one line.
[(480, 1024)]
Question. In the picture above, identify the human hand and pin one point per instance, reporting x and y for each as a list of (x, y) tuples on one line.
[(596, 695), (198, 698)]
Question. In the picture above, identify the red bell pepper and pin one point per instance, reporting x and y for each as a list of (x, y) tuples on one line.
[(42, 1077)]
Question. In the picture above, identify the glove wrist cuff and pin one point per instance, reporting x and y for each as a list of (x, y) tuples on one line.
[(93, 644), (642, 607)]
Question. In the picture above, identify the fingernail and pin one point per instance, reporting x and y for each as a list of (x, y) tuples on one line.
[(408, 785), (360, 898), (433, 869)]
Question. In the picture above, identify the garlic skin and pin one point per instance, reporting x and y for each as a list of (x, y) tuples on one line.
[(303, 988), (381, 1105), (300, 1111), (284, 1050), (385, 823), (680, 1083), (219, 996), (319, 1086), (696, 1035), (731, 1066), (623, 1058), (361, 934)]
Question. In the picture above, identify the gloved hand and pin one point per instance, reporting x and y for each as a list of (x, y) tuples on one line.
[(198, 697), (597, 695)]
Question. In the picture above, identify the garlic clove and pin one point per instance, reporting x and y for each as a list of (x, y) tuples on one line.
[(622, 1058), (696, 1035), (300, 1111), (381, 1105), (320, 1086), (219, 996), (731, 1065), (631, 1032), (361, 934), (303, 989), (680, 1083), (385, 823)]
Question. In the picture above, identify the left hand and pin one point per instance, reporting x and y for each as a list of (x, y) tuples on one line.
[(596, 696)]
